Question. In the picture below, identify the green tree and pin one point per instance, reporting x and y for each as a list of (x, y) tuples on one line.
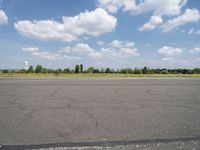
[(81, 68), (77, 69), (90, 70), (30, 70), (96, 71), (196, 71), (38, 69), (145, 70), (107, 70)]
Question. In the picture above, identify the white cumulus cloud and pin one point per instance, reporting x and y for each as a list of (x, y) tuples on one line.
[(35, 51), (167, 59), (153, 23), (3, 18), (190, 16), (170, 51), (120, 44), (195, 50), (158, 7), (119, 50), (30, 49), (114, 5), (161, 7), (93, 23), (113, 50), (82, 49)]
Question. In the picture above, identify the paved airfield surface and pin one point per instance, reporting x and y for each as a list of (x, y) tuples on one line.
[(58, 110)]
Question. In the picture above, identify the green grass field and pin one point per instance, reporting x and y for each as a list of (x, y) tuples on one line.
[(98, 75)]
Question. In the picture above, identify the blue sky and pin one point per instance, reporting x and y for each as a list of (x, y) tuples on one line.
[(100, 33)]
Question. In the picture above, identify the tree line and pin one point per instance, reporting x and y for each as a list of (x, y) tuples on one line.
[(80, 69)]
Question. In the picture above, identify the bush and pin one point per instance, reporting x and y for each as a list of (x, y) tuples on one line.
[(60, 70), (44, 70), (66, 70), (164, 72), (5, 71), (22, 71), (137, 71), (57, 72)]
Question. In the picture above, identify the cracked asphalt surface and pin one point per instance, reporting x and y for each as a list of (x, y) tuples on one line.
[(58, 110)]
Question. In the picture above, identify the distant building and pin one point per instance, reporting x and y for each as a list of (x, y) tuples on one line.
[(26, 65)]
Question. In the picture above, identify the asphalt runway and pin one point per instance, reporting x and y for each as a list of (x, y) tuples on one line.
[(57, 110)]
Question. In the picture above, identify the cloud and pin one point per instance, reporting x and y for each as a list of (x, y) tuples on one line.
[(153, 23), (114, 5), (190, 16), (119, 50), (158, 7), (100, 43), (82, 49), (30, 49), (93, 23), (195, 50), (3, 18), (48, 55), (116, 44), (190, 31), (167, 59), (170, 51), (112, 50), (120, 44)]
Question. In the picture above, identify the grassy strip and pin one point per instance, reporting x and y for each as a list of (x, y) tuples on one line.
[(97, 75)]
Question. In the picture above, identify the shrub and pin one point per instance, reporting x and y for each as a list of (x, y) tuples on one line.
[(44, 70), (66, 70), (5, 71)]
